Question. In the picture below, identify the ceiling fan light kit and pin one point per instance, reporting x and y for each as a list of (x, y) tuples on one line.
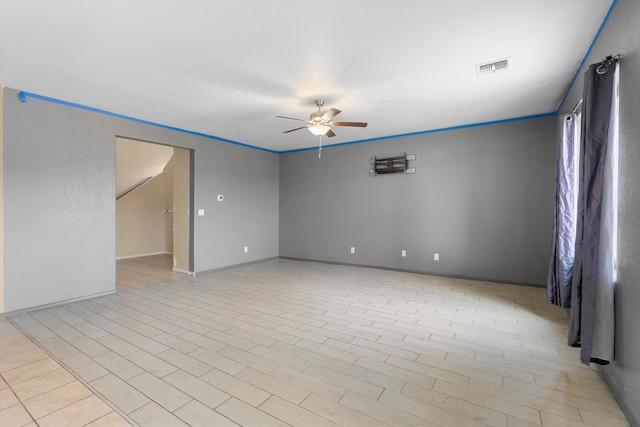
[(319, 130), (319, 123)]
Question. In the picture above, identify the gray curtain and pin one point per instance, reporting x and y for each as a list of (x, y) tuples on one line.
[(564, 224), (591, 323)]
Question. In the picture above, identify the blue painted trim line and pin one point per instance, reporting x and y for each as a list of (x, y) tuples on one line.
[(586, 56), (23, 97), (473, 125)]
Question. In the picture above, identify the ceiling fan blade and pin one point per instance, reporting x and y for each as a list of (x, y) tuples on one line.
[(292, 118), (331, 114), (291, 130), (330, 133), (356, 124)]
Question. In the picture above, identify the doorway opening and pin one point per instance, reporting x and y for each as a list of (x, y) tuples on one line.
[(154, 212)]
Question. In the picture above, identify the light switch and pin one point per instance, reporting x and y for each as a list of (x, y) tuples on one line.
[(200, 212)]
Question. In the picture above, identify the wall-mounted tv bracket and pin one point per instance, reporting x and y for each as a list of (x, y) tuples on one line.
[(392, 165)]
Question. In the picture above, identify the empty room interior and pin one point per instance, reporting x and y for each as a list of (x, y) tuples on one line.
[(320, 213)]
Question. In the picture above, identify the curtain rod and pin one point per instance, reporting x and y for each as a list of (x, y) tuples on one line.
[(602, 68), (604, 64), (577, 106)]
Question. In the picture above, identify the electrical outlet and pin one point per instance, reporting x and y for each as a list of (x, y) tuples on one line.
[(353, 250), (404, 253), (436, 257)]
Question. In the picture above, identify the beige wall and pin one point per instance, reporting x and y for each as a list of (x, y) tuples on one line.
[(137, 160), (181, 197), (141, 220), (168, 201), (154, 218)]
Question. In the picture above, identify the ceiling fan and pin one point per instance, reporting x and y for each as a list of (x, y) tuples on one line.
[(320, 123)]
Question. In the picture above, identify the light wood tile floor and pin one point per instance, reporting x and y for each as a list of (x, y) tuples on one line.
[(131, 272), (286, 342), (35, 390)]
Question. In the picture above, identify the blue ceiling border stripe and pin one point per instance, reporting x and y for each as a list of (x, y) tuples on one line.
[(423, 132), (586, 56), (24, 95)]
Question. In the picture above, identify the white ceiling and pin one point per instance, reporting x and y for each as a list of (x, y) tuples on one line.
[(227, 68)]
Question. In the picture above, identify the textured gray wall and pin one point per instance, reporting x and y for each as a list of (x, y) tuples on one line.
[(482, 198), (621, 35), (59, 209), (59, 200)]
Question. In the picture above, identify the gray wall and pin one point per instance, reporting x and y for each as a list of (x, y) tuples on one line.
[(621, 35), (482, 198), (59, 200)]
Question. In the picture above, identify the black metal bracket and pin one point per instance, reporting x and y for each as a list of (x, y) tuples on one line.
[(391, 165)]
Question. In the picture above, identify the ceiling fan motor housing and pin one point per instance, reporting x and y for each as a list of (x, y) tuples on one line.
[(316, 117), (320, 123)]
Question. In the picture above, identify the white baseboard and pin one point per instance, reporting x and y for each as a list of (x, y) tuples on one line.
[(143, 255), (55, 304), (187, 272)]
